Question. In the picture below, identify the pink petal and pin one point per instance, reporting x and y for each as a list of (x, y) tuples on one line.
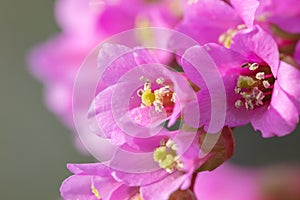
[(280, 118), (257, 46), (124, 192), (115, 60), (164, 188), (246, 9), (97, 169), (206, 20), (77, 187), (297, 53), (289, 80), (205, 68), (140, 179), (227, 182)]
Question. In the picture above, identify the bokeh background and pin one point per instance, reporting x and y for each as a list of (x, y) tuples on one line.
[(35, 146)]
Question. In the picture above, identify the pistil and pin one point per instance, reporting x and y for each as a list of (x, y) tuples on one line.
[(161, 98)]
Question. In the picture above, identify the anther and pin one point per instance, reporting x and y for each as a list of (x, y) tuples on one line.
[(266, 84), (173, 99), (245, 65), (140, 92), (260, 76), (253, 66), (158, 106), (238, 104), (160, 80), (237, 90), (144, 79), (249, 105)]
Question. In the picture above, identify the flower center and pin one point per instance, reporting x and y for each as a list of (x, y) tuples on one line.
[(161, 98), (166, 156), (226, 37), (255, 85)]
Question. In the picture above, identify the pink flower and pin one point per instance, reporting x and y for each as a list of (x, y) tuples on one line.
[(56, 62), (285, 15), (206, 20), (156, 174), (139, 95), (217, 21), (95, 181), (260, 88), (84, 25)]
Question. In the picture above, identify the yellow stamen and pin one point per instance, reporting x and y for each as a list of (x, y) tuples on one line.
[(148, 98), (144, 33), (226, 37), (95, 192), (166, 157)]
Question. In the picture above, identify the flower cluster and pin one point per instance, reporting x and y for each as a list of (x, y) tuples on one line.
[(166, 96)]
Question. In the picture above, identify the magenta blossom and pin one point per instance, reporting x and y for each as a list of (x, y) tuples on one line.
[(206, 20), (173, 162), (84, 25), (139, 95), (260, 88), (271, 11), (269, 15), (165, 171), (217, 21), (98, 181)]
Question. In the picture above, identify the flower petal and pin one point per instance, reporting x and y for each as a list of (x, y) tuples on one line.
[(246, 10), (164, 188), (203, 71), (289, 80), (206, 20), (227, 182), (257, 46), (297, 53), (97, 169), (124, 192), (77, 187), (280, 118), (115, 60)]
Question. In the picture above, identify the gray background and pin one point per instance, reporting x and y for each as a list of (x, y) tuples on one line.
[(34, 145)]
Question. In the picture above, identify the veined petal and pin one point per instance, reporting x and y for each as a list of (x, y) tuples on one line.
[(246, 9), (257, 46), (115, 60), (289, 80), (97, 169), (206, 20), (164, 188), (77, 187), (280, 118)]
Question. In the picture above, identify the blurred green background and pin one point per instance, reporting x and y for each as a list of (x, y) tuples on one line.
[(34, 145)]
